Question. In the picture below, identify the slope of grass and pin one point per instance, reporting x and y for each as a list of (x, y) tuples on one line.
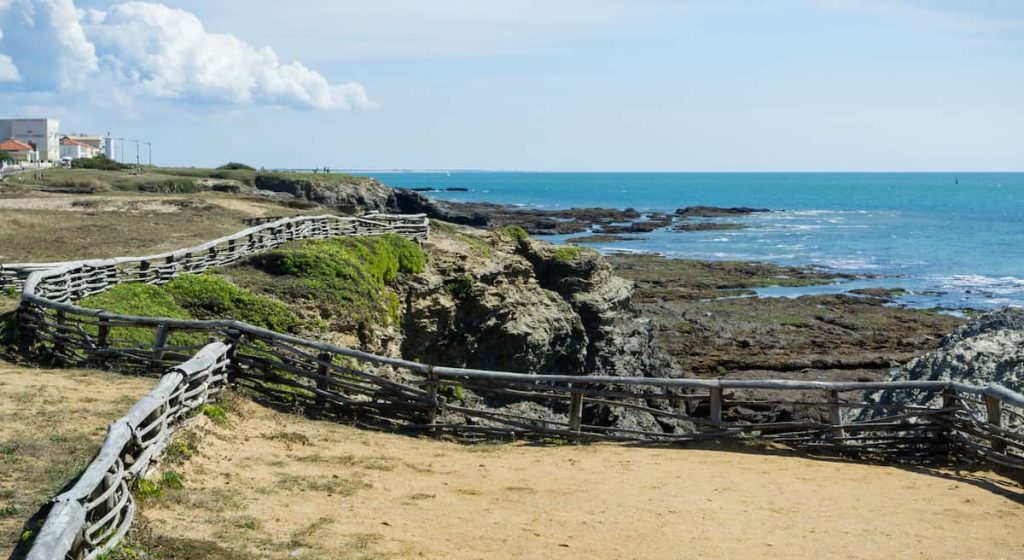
[(345, 279)]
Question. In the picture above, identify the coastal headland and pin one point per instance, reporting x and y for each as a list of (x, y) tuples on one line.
[(488, 296)]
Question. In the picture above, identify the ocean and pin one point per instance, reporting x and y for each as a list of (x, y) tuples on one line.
[(952, 240)]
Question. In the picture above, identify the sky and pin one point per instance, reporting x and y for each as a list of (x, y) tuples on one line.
[(554, 85)]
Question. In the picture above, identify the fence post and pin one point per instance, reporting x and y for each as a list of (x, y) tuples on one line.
[(836, 415), (234, 338), (994, 408), (99, 356), (323, 370), (59, 349), (432, 390), (716, 405), (576, 412), (949, 403), (160, 343), (26, 328)]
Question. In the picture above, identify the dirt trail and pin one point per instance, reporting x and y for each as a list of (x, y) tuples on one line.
[(275, 486)]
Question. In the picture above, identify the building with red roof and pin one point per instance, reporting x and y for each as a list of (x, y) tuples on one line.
[(18, 151)]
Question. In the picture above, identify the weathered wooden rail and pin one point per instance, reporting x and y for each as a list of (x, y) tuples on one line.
[(97, 511), (950, 421)]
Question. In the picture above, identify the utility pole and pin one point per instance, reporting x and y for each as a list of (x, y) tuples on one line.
[(138, 160), (150, 145)]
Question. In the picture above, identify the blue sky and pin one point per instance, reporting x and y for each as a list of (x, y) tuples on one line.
[(657, 85)]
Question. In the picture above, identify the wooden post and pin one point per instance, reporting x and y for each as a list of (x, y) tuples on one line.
[(576, 412), (26, 328), (234, 339), (994, 407), (432, 388), (99, 357), (837, 415), (159, 343), (59, 348), (716, 405), (950, 403), (323, 370)]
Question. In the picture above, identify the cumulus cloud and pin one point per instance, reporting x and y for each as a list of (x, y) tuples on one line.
[(8, 71), (145, 49)]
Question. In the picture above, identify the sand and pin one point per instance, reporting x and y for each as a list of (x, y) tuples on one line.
[(278, 486)]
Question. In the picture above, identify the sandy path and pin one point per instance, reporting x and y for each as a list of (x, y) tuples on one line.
[(273, 485)]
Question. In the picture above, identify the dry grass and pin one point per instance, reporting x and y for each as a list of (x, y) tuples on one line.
[(289, 487), (51, 424), (38, 227)]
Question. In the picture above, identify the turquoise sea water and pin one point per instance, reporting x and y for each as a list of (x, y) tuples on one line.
[(954, 240)]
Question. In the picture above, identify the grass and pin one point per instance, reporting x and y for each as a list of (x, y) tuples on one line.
[(51, 425), (321, 178), (345, 280), (569, 253), (216, 414), (516, 233), (94, 230), (191, 296)]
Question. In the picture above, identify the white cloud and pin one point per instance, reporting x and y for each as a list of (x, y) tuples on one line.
[(8, 71), (145, 49)]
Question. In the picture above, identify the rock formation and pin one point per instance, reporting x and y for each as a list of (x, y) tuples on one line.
[(989, 349)]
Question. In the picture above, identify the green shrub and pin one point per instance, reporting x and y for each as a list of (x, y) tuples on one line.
[(98, 161), (216, 414), (172, 480), (208, 296), (568, 254), (345, 278), (516, 233), (235, 166), (148, 489), (144, 300)]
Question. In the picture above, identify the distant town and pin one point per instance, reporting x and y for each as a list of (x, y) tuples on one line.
[(38, 142)]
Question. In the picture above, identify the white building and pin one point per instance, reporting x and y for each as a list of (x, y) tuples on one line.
[(44, 134), (108, 148), (74, 149)]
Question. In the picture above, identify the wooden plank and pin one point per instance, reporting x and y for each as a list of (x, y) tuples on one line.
[(994, 409), (576, 411), (836, 416), (716, 405)]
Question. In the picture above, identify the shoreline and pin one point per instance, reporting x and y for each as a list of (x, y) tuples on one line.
[(606, 230)]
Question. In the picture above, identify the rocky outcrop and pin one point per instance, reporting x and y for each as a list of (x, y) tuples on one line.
[(356, 195), (989, 349), (717, 212), (491, 301)]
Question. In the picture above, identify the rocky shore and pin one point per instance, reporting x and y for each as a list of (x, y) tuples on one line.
[(504, 301)]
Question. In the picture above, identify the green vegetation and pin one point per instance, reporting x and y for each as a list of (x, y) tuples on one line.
[(516, 233), (192, 296), (99, 161), (216, 414), (459, 287), (346, 279), (321, 178), (209, 296), (235, 166), (569, 253), (148, 489), (478, 245)]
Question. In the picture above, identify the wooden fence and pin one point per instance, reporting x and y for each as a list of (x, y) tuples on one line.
[(82, 277), (94, 515), (950, 421)]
